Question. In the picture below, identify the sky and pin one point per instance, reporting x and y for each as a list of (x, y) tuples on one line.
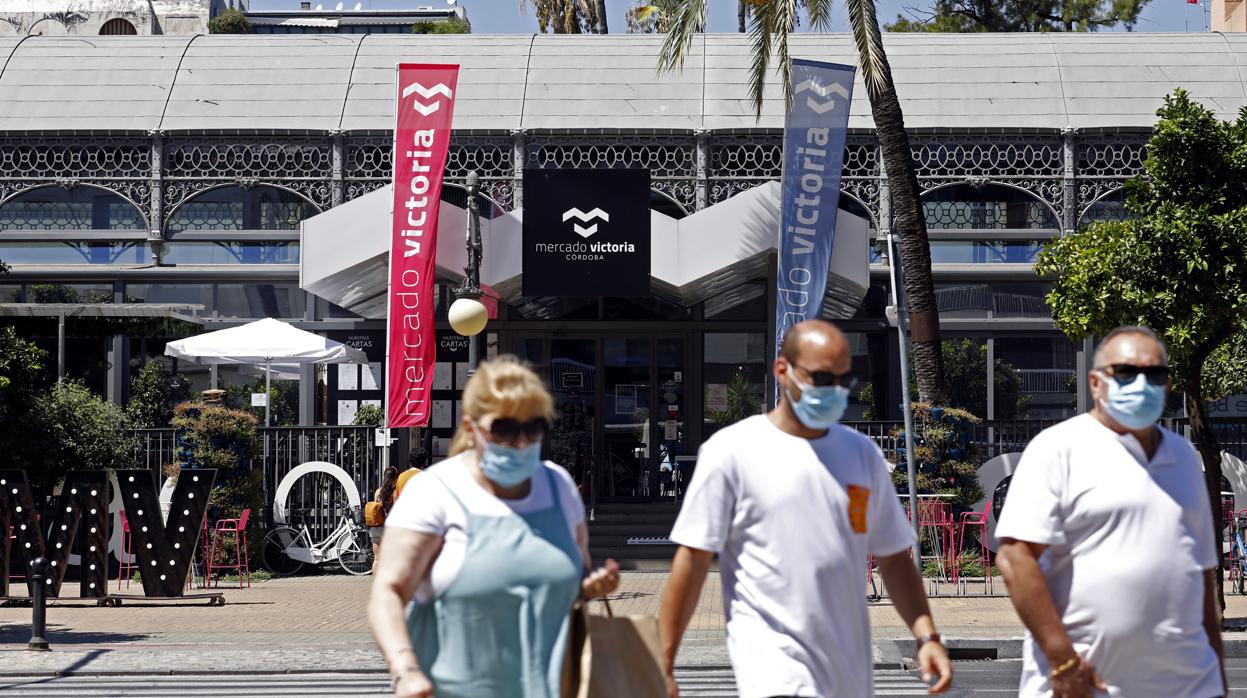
[(504, 17)]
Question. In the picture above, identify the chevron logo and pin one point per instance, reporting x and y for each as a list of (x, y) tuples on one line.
[(827, 92), (581, 230), (426, 93)]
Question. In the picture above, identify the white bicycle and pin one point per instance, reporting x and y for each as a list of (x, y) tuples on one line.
[(285, 550)]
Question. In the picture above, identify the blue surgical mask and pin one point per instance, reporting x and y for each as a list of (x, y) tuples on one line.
[(509, 466), (1136, 405), (820, 407)]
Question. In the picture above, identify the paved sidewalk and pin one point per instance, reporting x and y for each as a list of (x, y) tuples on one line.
[(318, 623)]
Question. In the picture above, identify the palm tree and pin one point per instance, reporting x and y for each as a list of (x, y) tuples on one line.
[(771, 22), (742, 15), (653, 17), (568, 16)]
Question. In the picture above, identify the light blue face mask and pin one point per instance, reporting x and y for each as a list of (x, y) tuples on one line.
[(1135, 406), (509, 466), (820, 407)]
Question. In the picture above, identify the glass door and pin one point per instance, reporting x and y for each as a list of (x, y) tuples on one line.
[(628, 447), (570, 368)]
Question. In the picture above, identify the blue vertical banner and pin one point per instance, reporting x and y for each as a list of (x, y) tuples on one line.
[(814, 133)]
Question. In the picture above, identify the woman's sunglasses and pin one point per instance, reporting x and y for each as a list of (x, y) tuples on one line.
[(507, 430), (1125, 374)]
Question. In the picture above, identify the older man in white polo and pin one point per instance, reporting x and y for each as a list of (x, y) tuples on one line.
[(1107, 544)]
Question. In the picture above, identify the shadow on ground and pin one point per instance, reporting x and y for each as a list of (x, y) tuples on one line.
[(59, 635)]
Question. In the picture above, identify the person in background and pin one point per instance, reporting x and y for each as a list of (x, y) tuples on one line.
[(485, 555), (793, 502), (376, 511), (1107, 544), (417, 460)]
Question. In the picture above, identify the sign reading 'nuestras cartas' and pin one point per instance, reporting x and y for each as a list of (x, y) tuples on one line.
[(424, 106), (586, 233), (814, 135)]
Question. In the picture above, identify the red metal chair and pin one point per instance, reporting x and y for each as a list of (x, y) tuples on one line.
[(124, 568), (935, 518), (973, 519), (238, 528)]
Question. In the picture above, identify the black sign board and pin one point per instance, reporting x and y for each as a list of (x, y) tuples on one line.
[(586, 232)]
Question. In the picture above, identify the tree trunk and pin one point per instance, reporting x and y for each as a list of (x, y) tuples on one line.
[(1205, 440), (601, 13), (742, 13), (911, 229)]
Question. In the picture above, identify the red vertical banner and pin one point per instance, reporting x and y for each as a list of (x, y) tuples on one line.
[(425, 106)]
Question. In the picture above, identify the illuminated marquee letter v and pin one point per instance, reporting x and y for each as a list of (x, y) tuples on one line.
[(164, 551), (83, 503)]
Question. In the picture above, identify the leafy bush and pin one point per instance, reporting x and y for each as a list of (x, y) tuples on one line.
[(154, 392), (283, 400), (448, 26), (229, 22), (369, 416), (944, 454), (210, 436), (78, 430)]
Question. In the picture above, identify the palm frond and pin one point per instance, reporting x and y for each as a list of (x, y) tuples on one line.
[(864, 23), (820, 14), (772, 22), (688, 20)]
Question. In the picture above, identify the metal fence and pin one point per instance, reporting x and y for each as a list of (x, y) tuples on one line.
[(316, 500)]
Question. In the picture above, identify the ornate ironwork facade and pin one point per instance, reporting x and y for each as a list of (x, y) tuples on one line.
[(1075, 176)]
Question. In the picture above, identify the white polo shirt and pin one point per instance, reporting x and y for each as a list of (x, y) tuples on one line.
[(793, 520), (1129, 540)]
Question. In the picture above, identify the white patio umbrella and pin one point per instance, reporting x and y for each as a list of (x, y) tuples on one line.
[(264, 343)]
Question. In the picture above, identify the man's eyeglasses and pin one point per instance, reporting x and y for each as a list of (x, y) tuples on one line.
[(1125, 374), (507, 430), (828, 378)]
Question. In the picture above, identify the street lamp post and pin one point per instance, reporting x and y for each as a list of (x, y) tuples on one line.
[(467, 314)]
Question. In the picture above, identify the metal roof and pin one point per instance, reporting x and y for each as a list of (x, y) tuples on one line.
[(323, 82)]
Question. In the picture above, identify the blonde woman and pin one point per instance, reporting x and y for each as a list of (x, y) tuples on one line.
[(485, 554)]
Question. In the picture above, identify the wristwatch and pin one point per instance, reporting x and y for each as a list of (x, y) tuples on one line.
[(924, 639)]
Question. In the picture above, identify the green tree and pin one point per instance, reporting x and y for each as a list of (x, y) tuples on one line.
[(965, 362), (23, 377), (653, 17), (154, 392), (771, 21), (446, 26), (1020, 16), (77, 430), (229, 22), (568, 16), (283, 400), (1179, 266)]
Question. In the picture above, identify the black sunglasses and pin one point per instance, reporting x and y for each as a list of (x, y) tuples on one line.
[(1126, 374), (827, 378), (508, 430)]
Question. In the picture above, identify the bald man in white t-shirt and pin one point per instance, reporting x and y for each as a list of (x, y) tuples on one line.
[(1107, 544), (793, 503)]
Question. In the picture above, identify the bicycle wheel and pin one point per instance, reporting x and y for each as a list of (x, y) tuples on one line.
[(273, 552), (355, 552)]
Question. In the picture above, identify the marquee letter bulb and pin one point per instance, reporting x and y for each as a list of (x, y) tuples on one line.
[(468, 316)]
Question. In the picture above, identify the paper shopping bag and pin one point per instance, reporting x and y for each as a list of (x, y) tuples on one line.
[(613, 657)]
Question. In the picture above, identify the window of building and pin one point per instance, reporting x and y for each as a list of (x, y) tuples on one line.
[(237, 208), (999, 299), (734, 378), (1111, 207), (986, 207), (80, 208), (242, 301), (118, 27), (1046, 365)]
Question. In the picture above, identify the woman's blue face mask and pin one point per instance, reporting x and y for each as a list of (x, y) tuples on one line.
[(508, 466)]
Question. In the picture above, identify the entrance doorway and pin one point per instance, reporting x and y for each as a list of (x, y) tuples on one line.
[(620, 409)]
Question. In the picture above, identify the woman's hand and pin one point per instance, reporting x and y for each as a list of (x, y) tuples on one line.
[(413, 684), (602, 582)]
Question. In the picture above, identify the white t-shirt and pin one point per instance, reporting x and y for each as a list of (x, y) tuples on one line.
[(793, 520), (1129, 542), (426, 506)]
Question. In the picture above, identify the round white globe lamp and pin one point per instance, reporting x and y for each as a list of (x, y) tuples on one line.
[(468, 316)]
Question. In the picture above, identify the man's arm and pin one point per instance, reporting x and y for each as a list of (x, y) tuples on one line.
[(688, 574), (1212, 621), (1019, 565), (905, 589)]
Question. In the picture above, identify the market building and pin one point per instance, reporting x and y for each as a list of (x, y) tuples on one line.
[(247, 174)]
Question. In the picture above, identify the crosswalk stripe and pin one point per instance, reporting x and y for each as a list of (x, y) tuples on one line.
[(714, 682)]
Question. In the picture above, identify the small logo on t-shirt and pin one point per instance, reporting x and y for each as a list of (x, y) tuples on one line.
[(859, 497)]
